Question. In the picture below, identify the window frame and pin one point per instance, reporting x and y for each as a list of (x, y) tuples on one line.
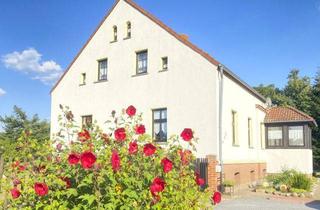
[(234, 128), (83, 79), (250, 133), (137, 62), (164, 66), (303, 136), (282, 139), (115, 33), (99, 62), (160, 121), (129, 30), (84, 124)]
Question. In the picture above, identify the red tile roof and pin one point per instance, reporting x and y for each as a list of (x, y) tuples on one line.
[(182, 39), (287, 114)]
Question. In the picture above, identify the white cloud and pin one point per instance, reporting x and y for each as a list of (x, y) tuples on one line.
[(2, 92), (29, 61)]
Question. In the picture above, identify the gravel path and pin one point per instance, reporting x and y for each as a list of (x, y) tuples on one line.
[(266, 203)]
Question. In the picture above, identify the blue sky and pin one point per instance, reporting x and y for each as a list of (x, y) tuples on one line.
[(260, 40)]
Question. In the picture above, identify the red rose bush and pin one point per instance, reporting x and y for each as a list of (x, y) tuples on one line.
[(115, 167)]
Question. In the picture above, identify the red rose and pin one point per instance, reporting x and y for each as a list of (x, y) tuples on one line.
[(16, 164), (199, 180), (41, 189), (185, 156), (16, 182), (131, 110), (67, 181), (73, 159), (140, 129), (157, 186), (120, 134), (149, 149), (167, 165), (133, 147), (216, 198), (22, 168), (15, 193), (115, 161), (186, 134), (84, 135), (87, 160)]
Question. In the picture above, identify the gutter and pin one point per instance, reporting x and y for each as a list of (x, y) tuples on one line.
[(221, 73)]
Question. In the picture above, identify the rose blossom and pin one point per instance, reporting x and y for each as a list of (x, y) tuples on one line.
[(149, 149), (185, 156), (131, 111), (167, 165), (16, 182), (157, 186), (73, 159), (200, 181), (216, 198), (87, 159), (15, 193), (115, 161), (140, 129), (120, 134), (186, 134), (84, 135), (41, 189), (133, 147)]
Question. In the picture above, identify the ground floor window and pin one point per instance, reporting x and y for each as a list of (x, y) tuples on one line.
[(86, 121), (160, 125), (296, 136), (275, 136)]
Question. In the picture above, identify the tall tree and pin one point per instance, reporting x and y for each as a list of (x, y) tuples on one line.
[(275, 94), (299, 90), (315, 112)]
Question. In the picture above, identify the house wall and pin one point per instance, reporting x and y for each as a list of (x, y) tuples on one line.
[(187, 89), (298, 159)]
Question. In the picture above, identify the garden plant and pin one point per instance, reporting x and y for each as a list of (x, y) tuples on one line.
[(117, 167)]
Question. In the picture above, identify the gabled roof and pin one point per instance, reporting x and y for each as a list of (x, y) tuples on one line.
[(179, 37), (287, 114)]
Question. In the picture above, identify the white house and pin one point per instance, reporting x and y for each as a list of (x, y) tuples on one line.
[(133, 58)]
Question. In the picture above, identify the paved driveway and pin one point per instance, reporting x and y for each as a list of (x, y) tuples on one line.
[(264, 203)]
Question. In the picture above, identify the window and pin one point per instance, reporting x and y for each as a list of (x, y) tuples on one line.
[(103, 69), (165, 63), (115, 33), (275, 137), (83, 79), (142, 62), (128, 29), (296, 136), (86, 121), (235, 140), (250, 137), (262, 135), (160, 125)]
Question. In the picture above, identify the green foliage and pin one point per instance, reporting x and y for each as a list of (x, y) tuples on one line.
[(291, 179), (101, 186), (295, 190)]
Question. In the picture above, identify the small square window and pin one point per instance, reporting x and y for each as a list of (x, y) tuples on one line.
[(103, 70), (115, 33), (86, 122), (128, 30), (142, 62), (165, 63), (83, 79)]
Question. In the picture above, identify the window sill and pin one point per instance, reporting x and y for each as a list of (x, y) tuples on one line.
[(113, 41), (163, 70), (126, 38), (83, 84), (251, 147), (141, 74), (100, 81), (235, 145), (161, 142)]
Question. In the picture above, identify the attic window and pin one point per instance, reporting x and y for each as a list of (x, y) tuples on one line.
[(83, 79), (128, 29), (165, 63), (115, 33)]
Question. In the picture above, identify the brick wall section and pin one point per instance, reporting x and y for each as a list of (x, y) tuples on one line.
[(244, 173), (212, 175)]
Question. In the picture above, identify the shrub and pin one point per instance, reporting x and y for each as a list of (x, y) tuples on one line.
[(119, 169), (301, 181)]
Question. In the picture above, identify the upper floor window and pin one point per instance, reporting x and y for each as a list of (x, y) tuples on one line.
[(165, 63), (128, 29), (296, 136), (115, 33), (103, 69), (86, 121), (160, 125), (83, 79), (235, 139), (142, 62), (275, 136), (262, 135)]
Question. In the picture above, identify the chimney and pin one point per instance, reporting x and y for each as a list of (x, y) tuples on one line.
[(184, 36)]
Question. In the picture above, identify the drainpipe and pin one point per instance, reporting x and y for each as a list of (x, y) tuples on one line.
[(221, 69)]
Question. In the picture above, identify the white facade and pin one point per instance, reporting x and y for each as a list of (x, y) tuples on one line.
[(189, 89)]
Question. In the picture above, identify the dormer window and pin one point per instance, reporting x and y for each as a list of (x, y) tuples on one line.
[(115, 33), (128, 29)]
